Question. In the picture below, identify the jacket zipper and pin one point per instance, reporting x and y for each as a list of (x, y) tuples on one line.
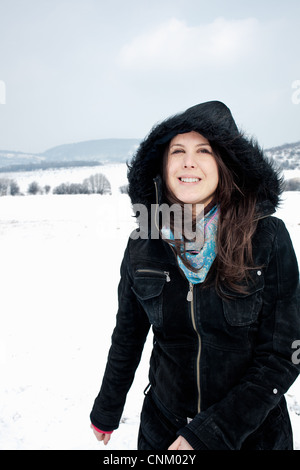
[(156, 206), (190, 298), (156, 271)]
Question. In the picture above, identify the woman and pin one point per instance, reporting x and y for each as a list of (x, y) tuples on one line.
[(224, 314)]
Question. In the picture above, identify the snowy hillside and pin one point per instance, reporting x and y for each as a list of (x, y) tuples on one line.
[(100, 150), (60, 258), (286, 156)]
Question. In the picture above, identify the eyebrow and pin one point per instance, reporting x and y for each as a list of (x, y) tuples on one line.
[(198, 145)]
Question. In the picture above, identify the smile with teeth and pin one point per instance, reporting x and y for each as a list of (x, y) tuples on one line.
[(189, 180)]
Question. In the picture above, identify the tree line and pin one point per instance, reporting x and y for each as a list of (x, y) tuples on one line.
[(94, 184), (18, 167)]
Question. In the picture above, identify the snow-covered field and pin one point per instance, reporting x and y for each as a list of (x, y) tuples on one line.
[(60, 258)]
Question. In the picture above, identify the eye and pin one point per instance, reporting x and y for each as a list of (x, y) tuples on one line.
[(205, 150), (176, 151)]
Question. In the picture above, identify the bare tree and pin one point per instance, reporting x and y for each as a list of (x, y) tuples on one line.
[(292, 184), (8, 187), (97, 184), (34, 188)]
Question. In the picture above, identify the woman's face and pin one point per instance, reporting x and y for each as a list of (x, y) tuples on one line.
[(191, 170)]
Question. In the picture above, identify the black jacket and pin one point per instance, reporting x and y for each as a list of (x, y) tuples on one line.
[(225, 361)]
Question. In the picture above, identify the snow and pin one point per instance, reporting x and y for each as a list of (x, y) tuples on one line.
[(60, 259)]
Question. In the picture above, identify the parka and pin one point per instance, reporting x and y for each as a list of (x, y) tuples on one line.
[(220, 364)]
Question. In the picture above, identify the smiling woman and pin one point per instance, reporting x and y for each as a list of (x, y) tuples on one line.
[(191, 169), (223, 316)]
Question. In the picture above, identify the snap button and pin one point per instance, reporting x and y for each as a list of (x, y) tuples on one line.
[(258, 273), (275, 391)]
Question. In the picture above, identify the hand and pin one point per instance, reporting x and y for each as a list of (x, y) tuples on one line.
[(101, 436), (180, 444)]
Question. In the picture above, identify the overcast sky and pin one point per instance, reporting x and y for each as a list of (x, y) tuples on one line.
[(77, 70)]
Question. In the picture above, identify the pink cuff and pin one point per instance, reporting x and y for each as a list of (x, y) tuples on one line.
[(102, 432)]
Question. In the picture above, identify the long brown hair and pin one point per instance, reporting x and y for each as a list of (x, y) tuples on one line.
[(236, 227)]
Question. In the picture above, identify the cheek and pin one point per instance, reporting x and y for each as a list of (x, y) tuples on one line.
[(170, 172), (213, 173), (215, 179)]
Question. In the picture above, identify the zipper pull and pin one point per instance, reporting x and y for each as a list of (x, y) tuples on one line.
[(189, 297), (168, 279)]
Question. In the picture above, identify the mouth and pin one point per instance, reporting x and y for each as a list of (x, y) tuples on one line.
[(189, 180)]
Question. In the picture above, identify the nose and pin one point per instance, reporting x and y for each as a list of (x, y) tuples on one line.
[(189, 161)]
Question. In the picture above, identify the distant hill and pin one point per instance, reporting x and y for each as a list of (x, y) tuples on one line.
[(104, 150), (286, 156), (99, 151), (9, 157)]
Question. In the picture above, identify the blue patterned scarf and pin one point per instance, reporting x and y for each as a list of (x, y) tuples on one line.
[(203, 258)]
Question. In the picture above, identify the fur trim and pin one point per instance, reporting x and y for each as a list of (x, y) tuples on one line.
[(213, 119)]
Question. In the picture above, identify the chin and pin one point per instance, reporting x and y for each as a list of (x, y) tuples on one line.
[(190, 200)]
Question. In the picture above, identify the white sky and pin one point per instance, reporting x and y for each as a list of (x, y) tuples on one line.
[(77, 70)]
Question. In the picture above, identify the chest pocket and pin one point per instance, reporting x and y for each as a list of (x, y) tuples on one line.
[(148, 286), (243, 309)]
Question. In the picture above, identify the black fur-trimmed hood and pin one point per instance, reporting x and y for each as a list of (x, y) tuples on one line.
[(254, 173)]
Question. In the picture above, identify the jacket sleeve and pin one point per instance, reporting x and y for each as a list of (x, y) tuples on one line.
[(226, 424), (128, 338)]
